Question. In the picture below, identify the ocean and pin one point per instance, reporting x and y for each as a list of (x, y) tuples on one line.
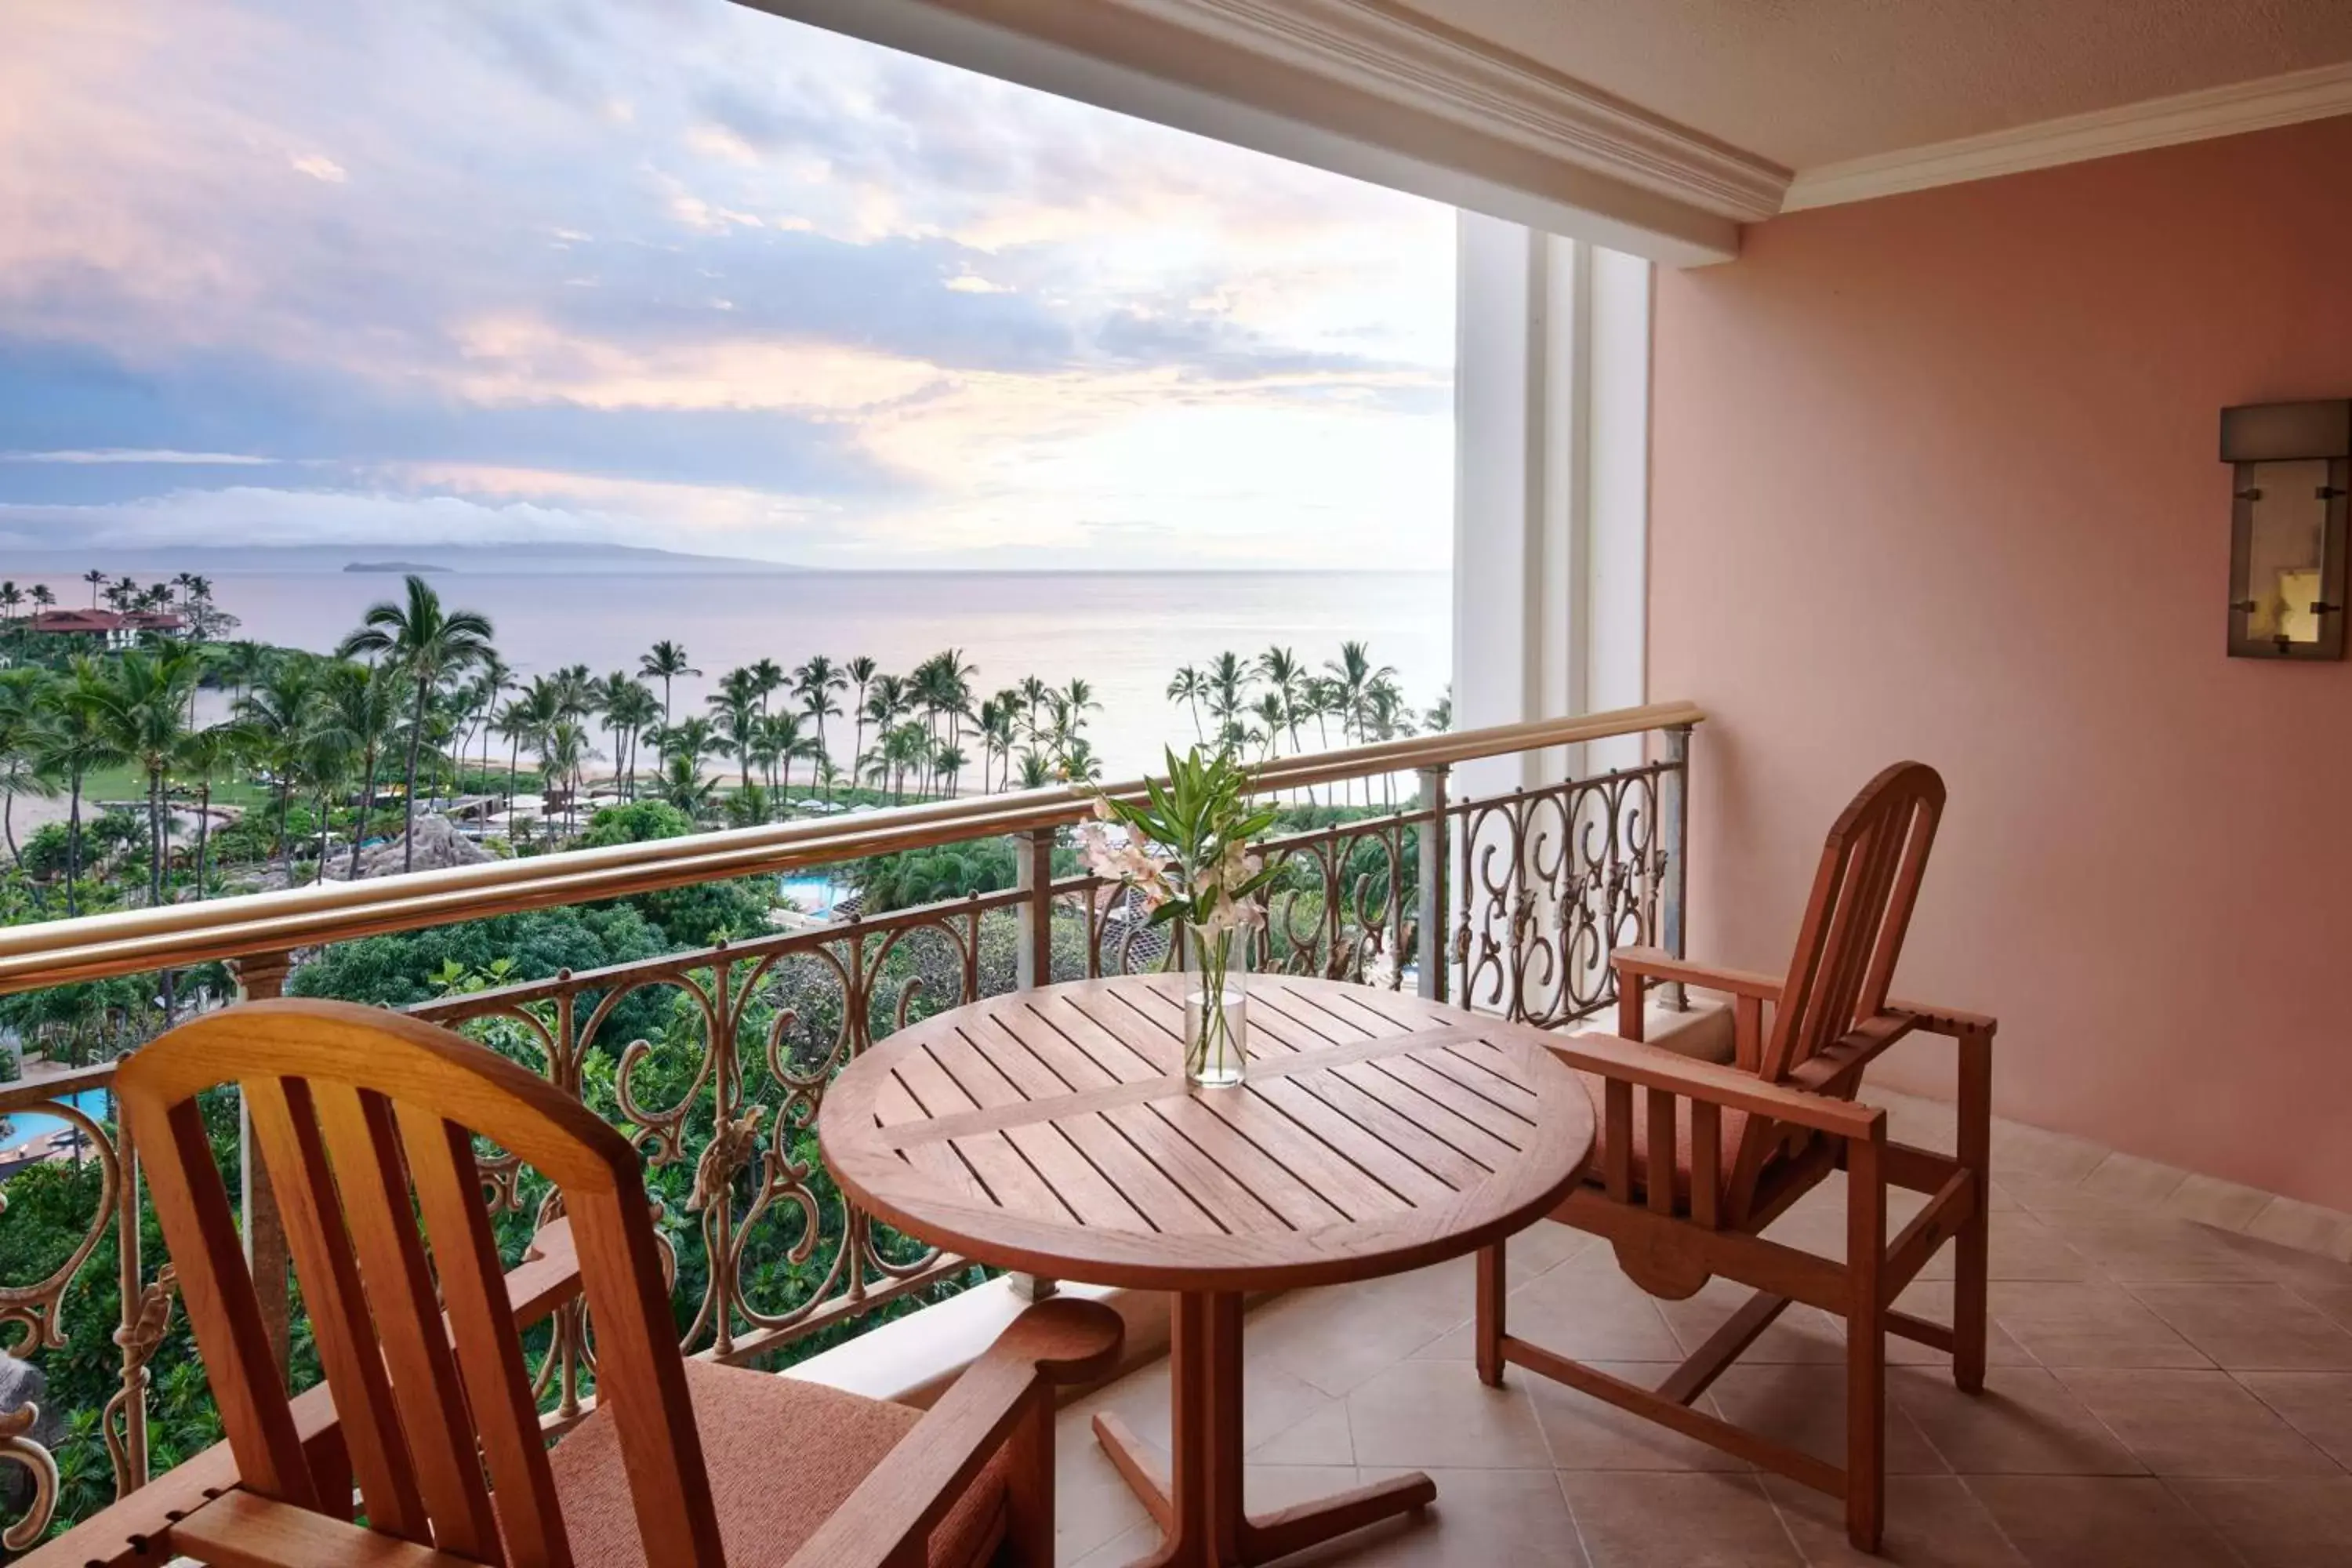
[(1124, 633)]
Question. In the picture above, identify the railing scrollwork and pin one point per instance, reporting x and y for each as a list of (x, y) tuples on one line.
[(714, 1062)]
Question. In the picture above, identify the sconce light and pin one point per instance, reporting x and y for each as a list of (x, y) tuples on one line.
[(2294, 465)]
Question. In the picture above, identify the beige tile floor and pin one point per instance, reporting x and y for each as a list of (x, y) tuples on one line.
[(2162, 1392)]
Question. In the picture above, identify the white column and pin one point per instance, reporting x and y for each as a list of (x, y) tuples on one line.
[(1551, 503)]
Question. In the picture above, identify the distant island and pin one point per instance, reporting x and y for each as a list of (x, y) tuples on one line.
[(393, 566)]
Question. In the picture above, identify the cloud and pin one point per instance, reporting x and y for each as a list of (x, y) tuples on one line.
[(141, 455), (681, 266)]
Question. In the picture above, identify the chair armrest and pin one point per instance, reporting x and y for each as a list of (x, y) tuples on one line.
[(895, 1507), (548, 1276), (1945, 1020), (1656, 963), (239, 1527), (136, 1530), (1653, 1066)]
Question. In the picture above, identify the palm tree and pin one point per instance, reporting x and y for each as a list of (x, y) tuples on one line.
[(575, 691), (325, 766), (498, 678), (1034, 696), (359, 713), (241, 666), (43, 596), (814, 684), (564, 754), (615, 698), (1356, 675), (886, 705), (906, 746), (996, 722), (203, 753), (1078, 763), (142, 709), (736, 710), (1269, 713), (518, 721), (1280, 669), (73, 740), (12, 597), (274, 720), (664, 664), (23, 697), (1037, 773), (636, 712), (768, 678), (1188, 688), (1227, 676), (200, 607), (692, 739), (949, 761), (97, 580), (1079, 696), (683, 783), (861, 672), (426, 642), (781, 744), (1319, 699)]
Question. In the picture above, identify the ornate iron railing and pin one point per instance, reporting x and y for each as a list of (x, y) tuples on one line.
[(715, 1061)]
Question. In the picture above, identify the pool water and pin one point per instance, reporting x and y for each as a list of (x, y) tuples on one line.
[(816, 895), (27, 1125)]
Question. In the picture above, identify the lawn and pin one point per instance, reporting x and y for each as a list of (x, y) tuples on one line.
[(127, 784)]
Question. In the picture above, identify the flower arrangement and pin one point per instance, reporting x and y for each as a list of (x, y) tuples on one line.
[(1186, 854)]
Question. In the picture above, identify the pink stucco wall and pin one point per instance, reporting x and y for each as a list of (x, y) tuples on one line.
[(1935, 477)]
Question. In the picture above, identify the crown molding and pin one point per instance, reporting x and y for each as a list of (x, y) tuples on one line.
[(2298, 96), (1408, 60)]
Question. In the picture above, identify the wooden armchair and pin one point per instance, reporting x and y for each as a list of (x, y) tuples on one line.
[(366, 1120), (1748, 1140)]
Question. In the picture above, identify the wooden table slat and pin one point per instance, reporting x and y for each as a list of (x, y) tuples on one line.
[(1400, 1173), (1457, 1154), (1281, 1142), (1405, 1094), (1047, 1130), (1506, 1124), (1336, 1020), (1126, 1059)]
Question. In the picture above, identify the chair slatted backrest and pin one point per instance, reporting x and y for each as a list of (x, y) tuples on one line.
[(365, 1121), (1855, 920)]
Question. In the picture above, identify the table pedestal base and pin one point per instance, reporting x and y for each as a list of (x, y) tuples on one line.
[(1199, 1510)]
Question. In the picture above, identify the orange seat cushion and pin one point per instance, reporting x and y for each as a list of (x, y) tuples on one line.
[(1731, 1125), (782, 1457)]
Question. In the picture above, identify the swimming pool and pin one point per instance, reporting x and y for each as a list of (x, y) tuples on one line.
[(27, 1125), (816, 895)]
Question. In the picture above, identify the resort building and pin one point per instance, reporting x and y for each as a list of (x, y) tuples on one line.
[(113, 629)]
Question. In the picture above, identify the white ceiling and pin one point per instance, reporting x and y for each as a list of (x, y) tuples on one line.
[(1808, 82)]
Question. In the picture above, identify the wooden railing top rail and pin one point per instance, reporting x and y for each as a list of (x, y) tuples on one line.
[(128, 941)]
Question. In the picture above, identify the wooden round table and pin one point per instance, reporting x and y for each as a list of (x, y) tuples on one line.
[(1051, 1131)]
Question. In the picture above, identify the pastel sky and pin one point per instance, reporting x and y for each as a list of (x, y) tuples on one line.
[(679, 273)]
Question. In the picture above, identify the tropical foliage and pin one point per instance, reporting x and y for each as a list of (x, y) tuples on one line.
[(189, 765)]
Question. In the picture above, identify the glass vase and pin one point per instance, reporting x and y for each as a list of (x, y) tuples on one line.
[(1216, 1025)]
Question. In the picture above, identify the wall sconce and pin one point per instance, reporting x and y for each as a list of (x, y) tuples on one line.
[(2293, 463)]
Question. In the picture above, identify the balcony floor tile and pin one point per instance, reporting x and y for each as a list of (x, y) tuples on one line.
[(2160, 1393)]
